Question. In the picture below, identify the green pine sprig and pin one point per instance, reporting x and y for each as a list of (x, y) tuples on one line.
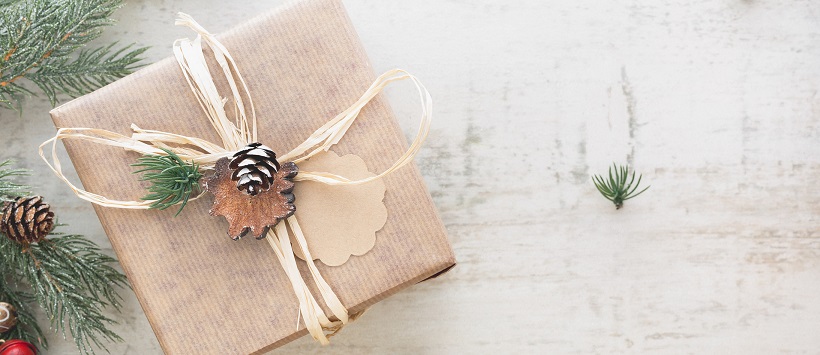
[(27, 328), (91, 69), (66, 276), (616, 188), (43, 42), (8, 188), (72, 281), (10, 291), (172, 179)]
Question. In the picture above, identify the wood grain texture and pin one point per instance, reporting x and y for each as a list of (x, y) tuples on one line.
[(715, 102)]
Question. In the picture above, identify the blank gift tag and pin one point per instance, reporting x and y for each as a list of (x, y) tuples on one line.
[(339, 221)]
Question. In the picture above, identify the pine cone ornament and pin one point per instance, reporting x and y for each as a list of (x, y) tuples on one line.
[(27, 220), (254, 168), (8, 317), (246, 213), (17, 347)]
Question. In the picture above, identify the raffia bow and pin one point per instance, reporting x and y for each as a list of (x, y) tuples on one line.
[(237, 133)]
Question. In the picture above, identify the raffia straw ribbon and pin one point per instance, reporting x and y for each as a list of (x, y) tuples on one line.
[(237, 133)]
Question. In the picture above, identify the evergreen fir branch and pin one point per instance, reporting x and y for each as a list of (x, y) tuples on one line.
[(172, 179), (27, 327), (72, 281), (90, 70), (43, 35), (8, 188), (10, 281), (67, 276), (616, 188)]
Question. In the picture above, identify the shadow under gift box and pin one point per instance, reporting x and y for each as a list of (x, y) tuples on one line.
[(303, 64)]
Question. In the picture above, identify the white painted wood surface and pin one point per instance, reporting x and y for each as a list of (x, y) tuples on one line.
[(715, 101)]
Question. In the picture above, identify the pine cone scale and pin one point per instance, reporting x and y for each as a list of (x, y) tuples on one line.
[(19, 228), (41, 214)]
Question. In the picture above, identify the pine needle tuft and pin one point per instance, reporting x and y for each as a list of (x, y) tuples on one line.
[(172, 179), (8, 188), (616, 188)]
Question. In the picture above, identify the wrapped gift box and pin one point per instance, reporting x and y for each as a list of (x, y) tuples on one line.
[(202, 292)]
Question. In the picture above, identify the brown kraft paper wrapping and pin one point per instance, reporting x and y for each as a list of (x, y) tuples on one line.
[(202, 292)]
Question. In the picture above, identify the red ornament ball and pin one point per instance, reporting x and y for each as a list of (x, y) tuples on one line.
[(17, 347)]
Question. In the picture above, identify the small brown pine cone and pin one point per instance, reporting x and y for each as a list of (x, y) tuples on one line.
[(27, 220), (253, 168), (8, 317)]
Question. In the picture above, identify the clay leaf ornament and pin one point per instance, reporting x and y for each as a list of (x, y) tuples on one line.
[(251, 192)]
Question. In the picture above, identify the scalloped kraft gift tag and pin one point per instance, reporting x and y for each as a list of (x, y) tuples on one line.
[(339, 221)]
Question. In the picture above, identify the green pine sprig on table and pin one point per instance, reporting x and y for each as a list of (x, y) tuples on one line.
[(71, 280), (27, 327), (616, 188), (43, 42), (172, 179), (66, 276), (9, 188)]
